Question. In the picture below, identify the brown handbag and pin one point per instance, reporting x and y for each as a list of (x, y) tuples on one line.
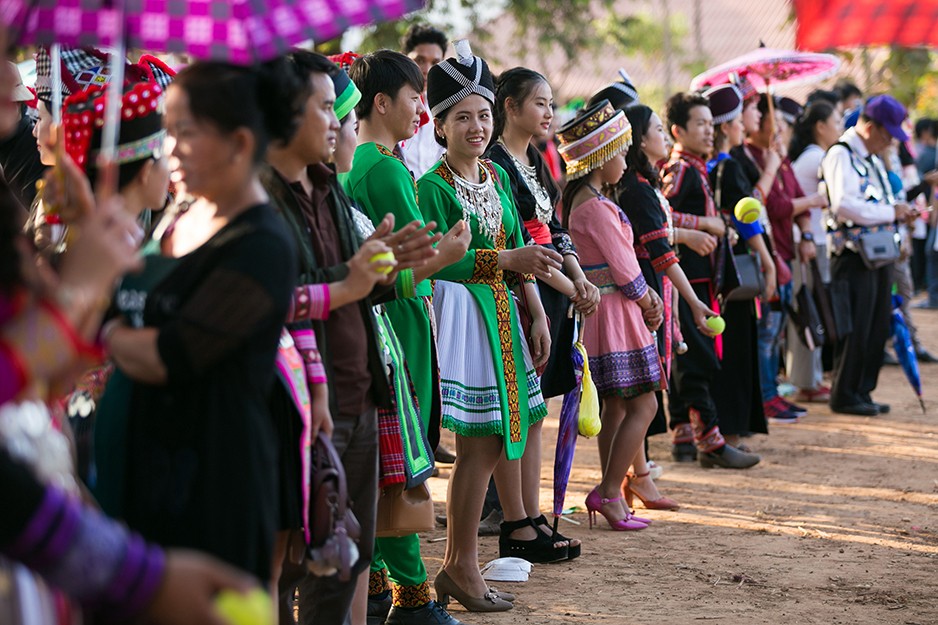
[(334, 530), (402, 512)]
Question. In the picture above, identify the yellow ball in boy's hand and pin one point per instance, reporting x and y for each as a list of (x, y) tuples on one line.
[(251, 608), (383, 256), (716, 324), (748, 210)]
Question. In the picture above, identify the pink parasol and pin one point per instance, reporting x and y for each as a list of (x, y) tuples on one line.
[(768, 66), (236, 31)]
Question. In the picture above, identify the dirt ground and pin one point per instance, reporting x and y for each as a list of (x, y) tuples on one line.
[(837, 524)]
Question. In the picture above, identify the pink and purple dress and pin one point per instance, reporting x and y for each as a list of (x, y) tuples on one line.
[(623, 356)]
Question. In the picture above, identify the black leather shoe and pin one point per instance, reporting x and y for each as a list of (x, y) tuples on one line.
[(729, 458), (861, 409), (378, 609), (889, 359), (444, 455), (684, 452), (882, 408), (923, 355), (431, 614)]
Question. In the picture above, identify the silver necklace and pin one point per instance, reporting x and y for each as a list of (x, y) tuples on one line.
[(479, 199), (543, 210)]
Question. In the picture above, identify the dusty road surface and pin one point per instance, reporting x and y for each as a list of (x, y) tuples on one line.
[(838, 524)]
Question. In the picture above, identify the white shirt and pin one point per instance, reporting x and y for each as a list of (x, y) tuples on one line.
[(422, 151), (806, 168), (845, 186)]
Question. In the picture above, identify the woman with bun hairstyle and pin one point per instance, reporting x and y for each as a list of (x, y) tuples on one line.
[(739, 402), (639, 194), (818, 128), (201, 451), (523, 112)]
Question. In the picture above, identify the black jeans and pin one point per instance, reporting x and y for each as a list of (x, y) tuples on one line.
[(694, 372), (859, 355), (326, 600)]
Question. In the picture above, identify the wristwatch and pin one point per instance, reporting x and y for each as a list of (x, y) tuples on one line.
[(807, 236)]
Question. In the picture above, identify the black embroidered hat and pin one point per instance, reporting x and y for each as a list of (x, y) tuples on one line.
[(621, 94), (726, 103), (458, 77)]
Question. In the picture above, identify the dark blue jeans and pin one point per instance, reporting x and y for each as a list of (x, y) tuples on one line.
[(931, 269), (770, 328)]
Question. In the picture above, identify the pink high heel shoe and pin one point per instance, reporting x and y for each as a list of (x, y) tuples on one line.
[(661, 503), (595, 503)]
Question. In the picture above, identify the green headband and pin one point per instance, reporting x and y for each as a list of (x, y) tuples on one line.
[(347, 94)]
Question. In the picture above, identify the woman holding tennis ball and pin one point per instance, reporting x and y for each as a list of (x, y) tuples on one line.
[(639, 194), (740, 402)]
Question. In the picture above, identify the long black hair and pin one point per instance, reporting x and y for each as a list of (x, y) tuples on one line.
[(803, 131), (636, 160), (569, 192), (518, 84)]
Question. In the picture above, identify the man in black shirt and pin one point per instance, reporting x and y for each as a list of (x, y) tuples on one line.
[(690, 400)]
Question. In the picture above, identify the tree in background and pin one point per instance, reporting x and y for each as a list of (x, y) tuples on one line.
[(575, 27)]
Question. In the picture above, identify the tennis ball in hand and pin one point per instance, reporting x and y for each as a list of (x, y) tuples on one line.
[(252, 608), (383, 256), (748, 210), (716, 324)]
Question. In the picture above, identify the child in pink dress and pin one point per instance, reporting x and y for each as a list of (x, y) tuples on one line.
[(620, 339)]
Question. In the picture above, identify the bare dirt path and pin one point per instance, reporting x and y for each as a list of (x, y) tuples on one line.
[(838, 524)]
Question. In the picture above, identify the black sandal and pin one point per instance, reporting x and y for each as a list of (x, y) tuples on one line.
[(537, 550), (573, 551)]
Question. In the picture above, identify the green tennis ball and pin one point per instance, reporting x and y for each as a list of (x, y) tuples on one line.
[(716, 324), (385, 256), (252, 608), (748, 210)]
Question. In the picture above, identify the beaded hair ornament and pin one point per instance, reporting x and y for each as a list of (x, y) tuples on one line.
[(591, 139)]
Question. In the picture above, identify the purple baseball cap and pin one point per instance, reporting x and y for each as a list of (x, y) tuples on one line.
[(889, 113)]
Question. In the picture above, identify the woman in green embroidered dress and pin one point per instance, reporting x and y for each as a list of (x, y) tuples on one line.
[(490, 390)]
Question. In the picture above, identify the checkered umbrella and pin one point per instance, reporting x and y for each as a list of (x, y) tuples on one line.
[(236, 31)]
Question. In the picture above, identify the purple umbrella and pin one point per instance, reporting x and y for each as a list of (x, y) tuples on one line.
[(568, 428), (905, 351), (236, 31)]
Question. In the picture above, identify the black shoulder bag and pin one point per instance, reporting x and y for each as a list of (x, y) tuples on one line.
[(736, 277)]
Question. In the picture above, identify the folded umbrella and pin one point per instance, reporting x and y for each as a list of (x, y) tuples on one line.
[(806, 316), (569, 426), (905, 351)]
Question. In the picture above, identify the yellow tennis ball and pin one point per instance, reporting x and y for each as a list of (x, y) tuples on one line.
[(387, 256), (716, 324), (252, 608), (748, 210)]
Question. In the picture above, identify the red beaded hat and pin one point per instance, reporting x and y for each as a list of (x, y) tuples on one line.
[(141, 129)]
